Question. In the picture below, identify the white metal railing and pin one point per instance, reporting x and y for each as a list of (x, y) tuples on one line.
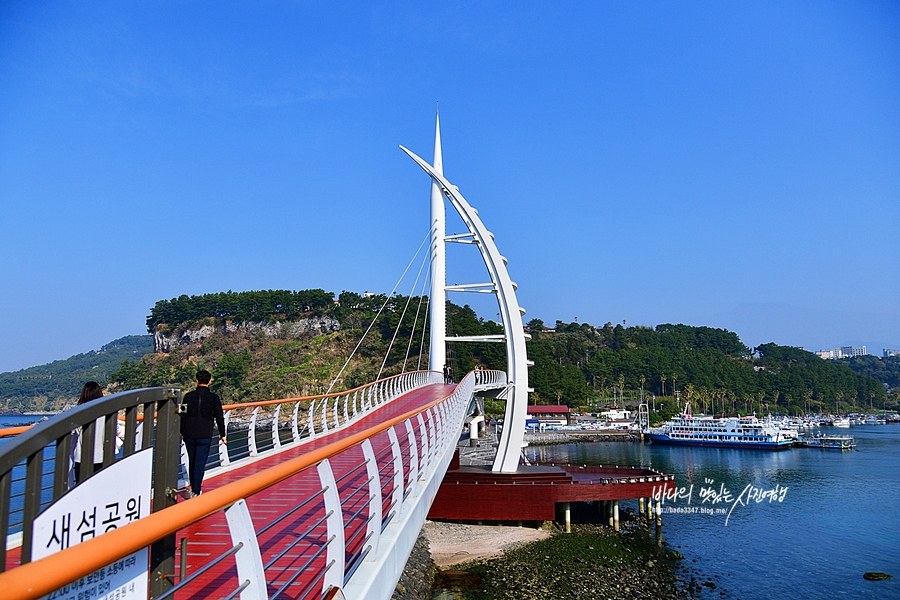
[(276, 425), (488, 379), (349, 536)]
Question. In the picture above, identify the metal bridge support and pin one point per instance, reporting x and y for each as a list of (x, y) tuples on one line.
[(510, 443)]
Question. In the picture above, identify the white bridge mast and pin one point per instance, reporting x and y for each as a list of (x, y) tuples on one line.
[(437, 351), (516, 395)]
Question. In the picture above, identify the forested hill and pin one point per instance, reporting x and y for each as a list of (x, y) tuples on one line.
[(711, 367), (575, 363), (43, 387), (885, 369)]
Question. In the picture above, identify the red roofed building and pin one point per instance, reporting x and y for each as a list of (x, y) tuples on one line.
[(553, 415)]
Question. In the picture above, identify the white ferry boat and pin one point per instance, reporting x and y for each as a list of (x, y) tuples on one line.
[(731, 432)]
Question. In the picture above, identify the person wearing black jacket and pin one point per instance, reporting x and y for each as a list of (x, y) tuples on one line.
[(202, 406)]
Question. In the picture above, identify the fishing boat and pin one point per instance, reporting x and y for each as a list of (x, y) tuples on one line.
[(829, 442), (728, 432)]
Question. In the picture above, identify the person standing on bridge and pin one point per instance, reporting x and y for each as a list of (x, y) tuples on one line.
[(92, 391), (202, 406)]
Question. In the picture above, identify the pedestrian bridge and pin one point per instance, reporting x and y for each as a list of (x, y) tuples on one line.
[(315, 497)]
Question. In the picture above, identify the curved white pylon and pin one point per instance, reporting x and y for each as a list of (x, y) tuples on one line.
[(509, 449)]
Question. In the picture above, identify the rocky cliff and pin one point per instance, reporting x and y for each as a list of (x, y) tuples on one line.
[(301, 328)]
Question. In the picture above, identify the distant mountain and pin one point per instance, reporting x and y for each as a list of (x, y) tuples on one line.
[(47, 387)]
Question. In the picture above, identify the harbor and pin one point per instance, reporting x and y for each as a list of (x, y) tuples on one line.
[(828, 524)]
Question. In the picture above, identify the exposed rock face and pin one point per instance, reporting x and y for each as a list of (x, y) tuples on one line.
[(285, 330), (415, 582)]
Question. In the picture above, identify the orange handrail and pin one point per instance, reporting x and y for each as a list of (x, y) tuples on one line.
[(11, 431), (46, 575), (316, 397)]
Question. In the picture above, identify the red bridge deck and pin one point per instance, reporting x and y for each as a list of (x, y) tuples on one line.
[(290, 566)]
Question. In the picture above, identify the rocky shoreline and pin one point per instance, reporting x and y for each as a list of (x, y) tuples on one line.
[(593, 561), (418, 575)]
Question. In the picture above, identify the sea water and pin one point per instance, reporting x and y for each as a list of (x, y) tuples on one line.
[(797, 523)]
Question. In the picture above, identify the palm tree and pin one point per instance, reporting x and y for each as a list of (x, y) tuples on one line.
[(643, 379), (662, 378)]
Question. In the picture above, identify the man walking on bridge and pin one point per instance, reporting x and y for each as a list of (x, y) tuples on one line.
[(196, 427)]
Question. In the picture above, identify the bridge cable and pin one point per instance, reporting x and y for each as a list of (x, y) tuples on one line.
[(403, 314), (378, 314), (416, 322), (424, 329)]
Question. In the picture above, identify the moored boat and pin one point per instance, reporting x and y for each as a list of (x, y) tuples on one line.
[(832, 442), (729, 432)]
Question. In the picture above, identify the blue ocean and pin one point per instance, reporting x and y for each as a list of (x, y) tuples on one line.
[(799, 523)]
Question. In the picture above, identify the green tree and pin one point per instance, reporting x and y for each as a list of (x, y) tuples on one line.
[(232, 369)]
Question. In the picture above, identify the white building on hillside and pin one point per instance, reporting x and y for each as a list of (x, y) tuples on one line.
[(842, 352)]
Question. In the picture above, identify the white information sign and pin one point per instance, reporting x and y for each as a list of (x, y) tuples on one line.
[(110, 499)]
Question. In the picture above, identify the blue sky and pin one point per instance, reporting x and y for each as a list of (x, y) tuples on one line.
[(735, 165)]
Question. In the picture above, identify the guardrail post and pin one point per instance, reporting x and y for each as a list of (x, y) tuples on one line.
[(223, 448), (373, 528), (397, 496), (34, 467), (5, 492), (61, 465), (251, 433), (276, 441), (425, 431), (311, 419), (413, 455), (165, 479), (295, 429), (334, 522), (248, 559)]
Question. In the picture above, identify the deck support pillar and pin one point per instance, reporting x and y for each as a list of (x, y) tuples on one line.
[(658, 512), (616, 514), (640, 506), (567, 509)]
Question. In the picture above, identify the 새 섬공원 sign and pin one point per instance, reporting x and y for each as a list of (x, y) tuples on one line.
[(111, 498)]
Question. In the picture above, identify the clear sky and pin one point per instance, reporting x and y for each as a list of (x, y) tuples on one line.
[(727, 164)]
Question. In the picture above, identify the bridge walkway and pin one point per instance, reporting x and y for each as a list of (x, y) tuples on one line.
[(291, 570)]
